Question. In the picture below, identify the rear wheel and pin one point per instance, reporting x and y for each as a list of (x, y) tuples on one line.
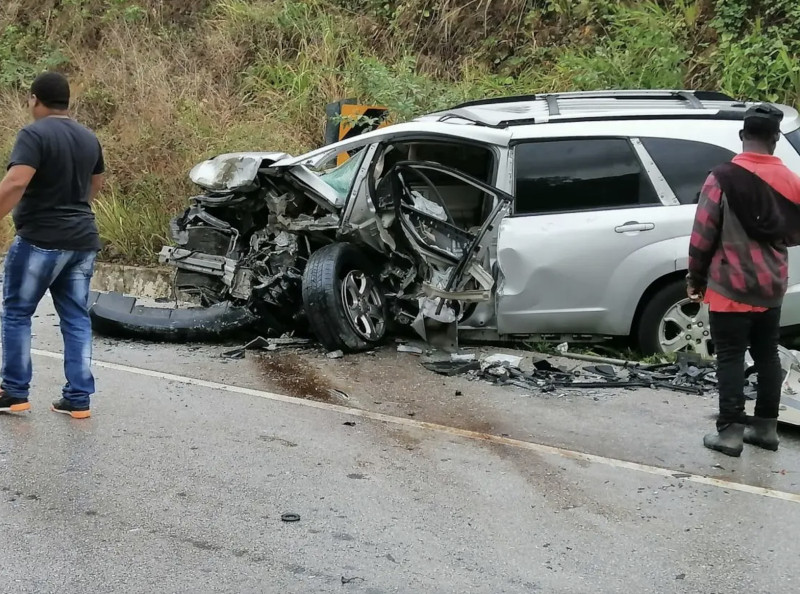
[(344, 303), (672, 323)]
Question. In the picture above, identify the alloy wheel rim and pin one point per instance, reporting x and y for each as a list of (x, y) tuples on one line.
[(364, 305)]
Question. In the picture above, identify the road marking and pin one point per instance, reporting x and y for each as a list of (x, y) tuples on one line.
[(465, 433)]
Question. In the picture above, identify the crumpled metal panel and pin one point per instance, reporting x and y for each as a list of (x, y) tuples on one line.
[(232, 171)]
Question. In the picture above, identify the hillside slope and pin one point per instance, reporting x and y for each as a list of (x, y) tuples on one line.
[(168, 82)]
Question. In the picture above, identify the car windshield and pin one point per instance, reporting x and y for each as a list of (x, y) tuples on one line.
[(341, 178)]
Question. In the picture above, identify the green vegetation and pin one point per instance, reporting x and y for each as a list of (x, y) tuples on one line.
[(169, 82)]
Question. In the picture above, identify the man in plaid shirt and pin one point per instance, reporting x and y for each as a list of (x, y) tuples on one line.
[(747, 217)]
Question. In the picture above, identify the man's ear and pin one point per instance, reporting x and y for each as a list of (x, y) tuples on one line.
[(741, 135)]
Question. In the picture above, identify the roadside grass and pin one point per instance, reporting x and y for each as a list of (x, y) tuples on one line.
[(168, 83)]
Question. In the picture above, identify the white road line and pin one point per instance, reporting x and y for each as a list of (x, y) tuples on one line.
[(465, 433)]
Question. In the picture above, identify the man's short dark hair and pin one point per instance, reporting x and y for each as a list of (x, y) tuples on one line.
[(52, 90), (762, 122)]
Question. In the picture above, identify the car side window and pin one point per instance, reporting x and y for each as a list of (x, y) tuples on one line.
[(685, 164), (794, 139), (580, 174)]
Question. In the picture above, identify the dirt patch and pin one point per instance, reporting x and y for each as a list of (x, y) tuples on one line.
[(297, 377)]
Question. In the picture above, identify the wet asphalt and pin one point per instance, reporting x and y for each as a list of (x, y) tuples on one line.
[(175, 487)]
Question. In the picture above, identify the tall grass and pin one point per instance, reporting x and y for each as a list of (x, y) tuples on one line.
[(166, 83)]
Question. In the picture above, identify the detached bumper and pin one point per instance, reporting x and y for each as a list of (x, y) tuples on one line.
[(116, 315)]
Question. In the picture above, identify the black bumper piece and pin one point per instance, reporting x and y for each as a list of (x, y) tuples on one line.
[(118, 316)]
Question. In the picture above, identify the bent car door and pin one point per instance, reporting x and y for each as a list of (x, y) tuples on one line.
[(454, 260), (590, 230)]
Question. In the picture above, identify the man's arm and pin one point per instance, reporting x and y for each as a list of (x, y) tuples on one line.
[(705, 235), (98, 174), (13, 187), (97, 184)]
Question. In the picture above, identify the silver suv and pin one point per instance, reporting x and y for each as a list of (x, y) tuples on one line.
[(547, 217)]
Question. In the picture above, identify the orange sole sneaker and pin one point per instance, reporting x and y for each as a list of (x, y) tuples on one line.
[(75, 414), (17, 408)]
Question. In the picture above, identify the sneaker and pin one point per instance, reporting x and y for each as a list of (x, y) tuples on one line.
[(64, 407), (13, 405)]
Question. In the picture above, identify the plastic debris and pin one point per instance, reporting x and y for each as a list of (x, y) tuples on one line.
[(407, 348), (335, 355), (267, 344), (500, 359), (462, 358)]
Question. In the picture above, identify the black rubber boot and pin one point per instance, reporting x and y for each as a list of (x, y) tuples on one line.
[(762, 433), (729, 441)]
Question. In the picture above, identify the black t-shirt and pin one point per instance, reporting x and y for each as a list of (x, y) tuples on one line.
[(55, 211)]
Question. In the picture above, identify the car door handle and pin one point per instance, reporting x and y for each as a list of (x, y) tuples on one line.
[(633, 227)]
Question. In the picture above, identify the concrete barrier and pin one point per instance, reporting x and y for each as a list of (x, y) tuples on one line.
[(152, 283)]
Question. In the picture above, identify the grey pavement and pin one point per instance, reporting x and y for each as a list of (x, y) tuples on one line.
[(172, 487)]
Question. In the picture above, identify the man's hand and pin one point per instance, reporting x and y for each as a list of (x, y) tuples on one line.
[(13, 187), (695, 295)]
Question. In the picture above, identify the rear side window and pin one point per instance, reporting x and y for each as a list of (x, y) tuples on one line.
[(575, 175), (794, 139), (686, 164)]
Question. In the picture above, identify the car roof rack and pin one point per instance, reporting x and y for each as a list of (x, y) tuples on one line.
[(693, 98), (592, 105)]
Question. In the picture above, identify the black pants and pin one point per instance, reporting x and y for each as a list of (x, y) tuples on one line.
[(732, 334)]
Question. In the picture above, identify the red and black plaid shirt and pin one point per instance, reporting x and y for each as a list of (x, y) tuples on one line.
[(723, 258)]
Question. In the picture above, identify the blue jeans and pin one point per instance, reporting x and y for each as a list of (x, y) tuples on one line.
[(29, 272)]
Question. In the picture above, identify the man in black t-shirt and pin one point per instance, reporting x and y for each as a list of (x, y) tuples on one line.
[(55, 171)]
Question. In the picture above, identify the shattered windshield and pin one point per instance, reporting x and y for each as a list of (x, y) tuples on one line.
[(341, 178)]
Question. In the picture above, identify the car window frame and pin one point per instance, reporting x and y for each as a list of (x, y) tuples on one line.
[(648, 172), (496, 155)]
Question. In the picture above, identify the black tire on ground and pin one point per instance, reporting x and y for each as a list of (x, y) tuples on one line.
[(654, 311), (323, 301)]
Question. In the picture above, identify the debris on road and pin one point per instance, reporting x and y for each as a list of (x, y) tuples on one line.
[(407, 348), (452, 368), (335, 355), (267, 344), (334, 393), (290, 518), (494, 361), (352, 579), (689, 374)]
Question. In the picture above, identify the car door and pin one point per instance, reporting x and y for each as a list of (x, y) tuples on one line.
[(590, 228)]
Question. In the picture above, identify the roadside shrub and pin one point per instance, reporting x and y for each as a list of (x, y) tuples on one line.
[(643, 46), (758, 54)]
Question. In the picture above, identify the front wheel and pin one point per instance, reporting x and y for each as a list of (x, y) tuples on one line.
[(672, 323), (344, 303)]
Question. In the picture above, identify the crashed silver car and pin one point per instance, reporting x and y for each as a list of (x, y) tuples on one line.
[(557, 217)]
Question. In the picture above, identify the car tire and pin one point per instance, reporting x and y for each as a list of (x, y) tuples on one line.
[(649, 329), (339, 286)]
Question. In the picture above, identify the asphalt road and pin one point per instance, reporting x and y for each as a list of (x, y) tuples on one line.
[(179, 481)]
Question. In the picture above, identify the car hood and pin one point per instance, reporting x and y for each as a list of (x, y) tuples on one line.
[(238, 172), (232, 171)]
